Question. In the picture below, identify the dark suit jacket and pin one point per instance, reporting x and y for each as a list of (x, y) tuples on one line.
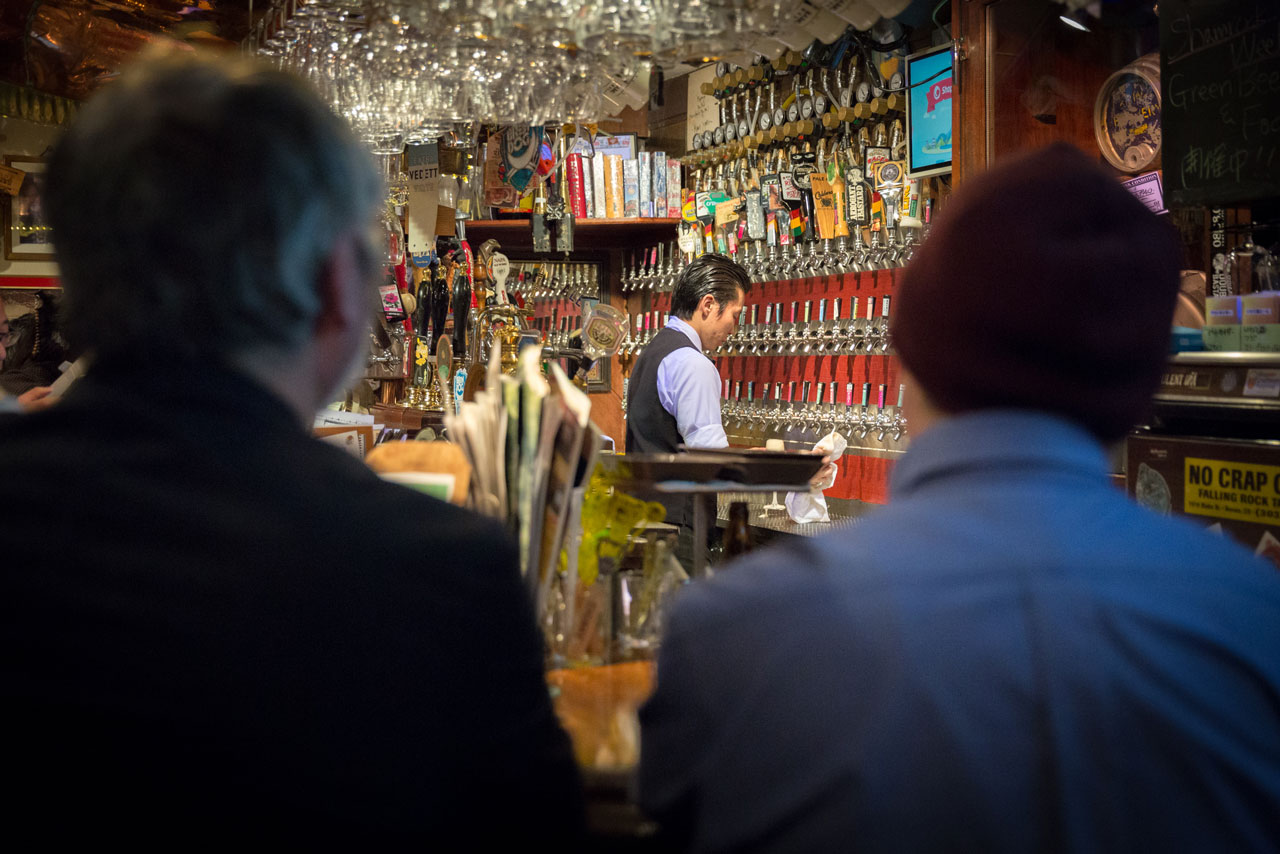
[(216, 626)]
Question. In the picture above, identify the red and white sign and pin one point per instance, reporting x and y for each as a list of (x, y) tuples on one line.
[(938, 92)]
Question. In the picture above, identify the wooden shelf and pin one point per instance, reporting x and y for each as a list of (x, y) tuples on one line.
[(627, 233)]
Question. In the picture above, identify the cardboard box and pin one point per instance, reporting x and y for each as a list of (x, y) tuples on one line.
[(645, 183), (1260, 337), (613, 186), (1222, 311), (631, 188), (1222, 323), (599, 167), (659, 184), (674, 195), (1222, 338)]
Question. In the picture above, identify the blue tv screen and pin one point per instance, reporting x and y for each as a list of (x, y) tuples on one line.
[(929, 129)]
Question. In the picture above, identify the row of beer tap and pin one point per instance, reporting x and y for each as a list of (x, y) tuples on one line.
[(805, 174), (784, 413), (808, 215), (557, 330), (557, 280), (648, 271), (798, 334)]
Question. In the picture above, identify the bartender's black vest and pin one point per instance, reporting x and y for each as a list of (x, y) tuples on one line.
[(650, 428)]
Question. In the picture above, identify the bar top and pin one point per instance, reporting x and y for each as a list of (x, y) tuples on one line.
[(843, 513)]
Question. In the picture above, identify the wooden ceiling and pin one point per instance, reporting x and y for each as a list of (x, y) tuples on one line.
[(69, 47)]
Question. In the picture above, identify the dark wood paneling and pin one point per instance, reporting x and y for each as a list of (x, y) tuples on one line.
[(1029, 80)]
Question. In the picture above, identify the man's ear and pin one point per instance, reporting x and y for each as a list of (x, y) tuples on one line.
[(337, 279), (707, 305)]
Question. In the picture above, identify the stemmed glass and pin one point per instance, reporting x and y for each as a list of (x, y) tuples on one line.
[(1252, 268)]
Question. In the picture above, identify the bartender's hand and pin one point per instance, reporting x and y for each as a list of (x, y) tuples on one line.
[(40, 397), (828, 470)]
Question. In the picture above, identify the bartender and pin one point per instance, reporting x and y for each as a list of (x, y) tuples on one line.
[(674, 393)]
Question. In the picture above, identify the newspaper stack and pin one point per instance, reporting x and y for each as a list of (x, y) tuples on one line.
[(532, 448)]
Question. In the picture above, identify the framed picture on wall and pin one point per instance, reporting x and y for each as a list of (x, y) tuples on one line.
[(26, 231)]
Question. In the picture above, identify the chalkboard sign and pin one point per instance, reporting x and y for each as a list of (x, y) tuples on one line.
[(1220, 87)]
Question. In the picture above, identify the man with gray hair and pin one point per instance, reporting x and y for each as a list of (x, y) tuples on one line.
[(217, 626)]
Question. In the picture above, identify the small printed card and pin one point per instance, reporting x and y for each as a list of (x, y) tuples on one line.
[(1148, 190)]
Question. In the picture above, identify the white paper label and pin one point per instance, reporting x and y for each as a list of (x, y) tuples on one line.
[(423, 165), (1261, 382), (702, 114)]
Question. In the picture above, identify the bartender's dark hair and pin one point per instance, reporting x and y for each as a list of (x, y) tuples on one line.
[(718, 275)]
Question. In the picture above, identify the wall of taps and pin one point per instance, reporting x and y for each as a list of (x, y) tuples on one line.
[(555, 291), (812, 353)]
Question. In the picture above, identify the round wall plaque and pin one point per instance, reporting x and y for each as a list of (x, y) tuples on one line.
[(1126, 116)]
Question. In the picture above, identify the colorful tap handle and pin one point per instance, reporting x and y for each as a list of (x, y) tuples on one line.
[(795, 307), (768, 313), (821, 389), (853, 308), (884, 306), (901, 389), (808, 309), (822, 311), (881, 397), (848, 394), (866, 393), (751, 391), (726, 388), (832, 400)]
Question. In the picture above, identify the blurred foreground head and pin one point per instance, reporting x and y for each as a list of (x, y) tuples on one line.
[(198, 203), (1044, 285)]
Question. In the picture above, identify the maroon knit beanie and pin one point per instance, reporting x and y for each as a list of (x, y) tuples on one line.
[(1043, 285)]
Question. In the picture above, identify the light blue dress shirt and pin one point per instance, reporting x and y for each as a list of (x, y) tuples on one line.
[(689, 389)]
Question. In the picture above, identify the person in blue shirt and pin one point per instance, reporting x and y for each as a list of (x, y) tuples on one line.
[(674, 391), (1012, 655), (674, 394)]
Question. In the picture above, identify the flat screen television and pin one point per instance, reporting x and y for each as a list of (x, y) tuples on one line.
[(929, 124)]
